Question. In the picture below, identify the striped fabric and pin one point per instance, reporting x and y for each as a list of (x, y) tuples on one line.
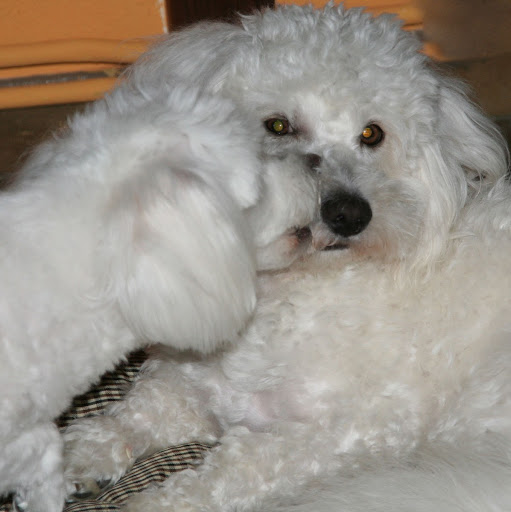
[(111, 387), (152, 470)]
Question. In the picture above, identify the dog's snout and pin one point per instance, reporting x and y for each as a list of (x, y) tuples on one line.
[(346, 214), (313, 161)]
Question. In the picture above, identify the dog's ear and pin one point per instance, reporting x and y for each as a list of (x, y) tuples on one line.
[(179, 259), (466, 152), (469, 138)]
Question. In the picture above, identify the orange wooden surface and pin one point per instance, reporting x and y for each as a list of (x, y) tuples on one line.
[(60, 37), (56, 93), (28, 21), (71, 50)]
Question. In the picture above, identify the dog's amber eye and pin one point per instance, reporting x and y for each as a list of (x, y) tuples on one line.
[(278, 125), (371, 135)]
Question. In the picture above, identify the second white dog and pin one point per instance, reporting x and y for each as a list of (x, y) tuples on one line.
[(387, 344), (132, 227)]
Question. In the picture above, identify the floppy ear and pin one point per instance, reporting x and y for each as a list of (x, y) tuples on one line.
[(469, 138), (466, 151), (180, 259)]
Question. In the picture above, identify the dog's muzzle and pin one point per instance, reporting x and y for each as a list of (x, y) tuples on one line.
[(346, 214)]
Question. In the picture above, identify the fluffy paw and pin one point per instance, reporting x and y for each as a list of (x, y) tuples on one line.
[(96, 452)]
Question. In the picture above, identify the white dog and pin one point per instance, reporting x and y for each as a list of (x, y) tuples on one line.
[(132, 227), (374, 356)]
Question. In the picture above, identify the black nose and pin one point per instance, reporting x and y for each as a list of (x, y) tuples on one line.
[(346, 214)]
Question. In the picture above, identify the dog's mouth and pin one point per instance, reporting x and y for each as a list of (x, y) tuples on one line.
[(336, 246), (320, 239)]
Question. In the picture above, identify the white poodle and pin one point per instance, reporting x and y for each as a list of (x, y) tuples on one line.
[(134, 226), (385, 348)]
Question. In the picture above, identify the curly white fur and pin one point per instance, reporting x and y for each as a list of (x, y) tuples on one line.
[(376, 374), (134, 226)]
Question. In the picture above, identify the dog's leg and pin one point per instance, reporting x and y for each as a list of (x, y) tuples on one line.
[(156, 413), (32, 464), (246, 471)]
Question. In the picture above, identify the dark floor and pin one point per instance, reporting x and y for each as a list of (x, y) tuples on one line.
[(21, 129)]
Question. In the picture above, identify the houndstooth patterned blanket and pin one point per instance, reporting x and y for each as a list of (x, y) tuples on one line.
[(152, 470)]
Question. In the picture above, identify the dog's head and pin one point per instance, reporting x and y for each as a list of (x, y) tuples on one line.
[(397, 147)]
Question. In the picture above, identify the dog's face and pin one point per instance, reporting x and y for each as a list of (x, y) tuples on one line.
[(364, 160)]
